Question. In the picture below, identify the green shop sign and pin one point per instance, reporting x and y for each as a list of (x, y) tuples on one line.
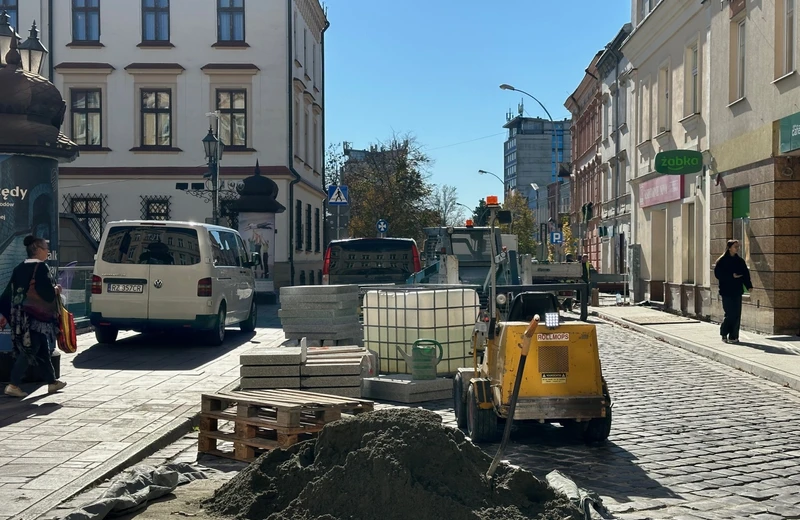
[(679, 162), (790, 133)]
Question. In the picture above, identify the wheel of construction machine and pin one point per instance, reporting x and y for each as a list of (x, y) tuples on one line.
[(459, 403), (598, 430), (481, 422)]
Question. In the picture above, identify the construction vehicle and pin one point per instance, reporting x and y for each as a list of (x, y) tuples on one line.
[(562, 382), (463, 255)]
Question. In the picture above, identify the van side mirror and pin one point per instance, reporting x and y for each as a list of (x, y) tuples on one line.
[(504, 216), (255, 259)]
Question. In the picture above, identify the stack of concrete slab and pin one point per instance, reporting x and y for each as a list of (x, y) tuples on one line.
[(400, 388), (327, 370), (323, 314)]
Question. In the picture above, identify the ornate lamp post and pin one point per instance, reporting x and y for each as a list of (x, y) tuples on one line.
[(213, 148), (32, 52)]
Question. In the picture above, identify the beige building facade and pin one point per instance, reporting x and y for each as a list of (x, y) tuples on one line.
[(755, 145), (669, 60), (139, 78)]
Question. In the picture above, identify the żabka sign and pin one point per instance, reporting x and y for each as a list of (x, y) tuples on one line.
[(660, 190), (679, 162)]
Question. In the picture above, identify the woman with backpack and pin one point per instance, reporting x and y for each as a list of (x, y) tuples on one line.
[(29, 305), (733, 275)]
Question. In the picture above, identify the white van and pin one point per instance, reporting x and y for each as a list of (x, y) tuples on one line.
[(159, 275)]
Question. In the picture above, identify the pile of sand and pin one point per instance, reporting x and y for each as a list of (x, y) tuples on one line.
[(390, 465)]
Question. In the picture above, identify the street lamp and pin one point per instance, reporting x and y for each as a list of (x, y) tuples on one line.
[(32, 52), (213, 147), (484, 172), (7, 35)]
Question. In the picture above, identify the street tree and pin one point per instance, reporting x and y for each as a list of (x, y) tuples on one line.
[(522, 222), (389, 180), (444, 202), (480, 215)]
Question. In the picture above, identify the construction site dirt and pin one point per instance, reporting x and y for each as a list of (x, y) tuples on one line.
[(392, 464)]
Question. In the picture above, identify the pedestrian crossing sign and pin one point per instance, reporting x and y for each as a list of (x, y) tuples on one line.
[(338, 196)]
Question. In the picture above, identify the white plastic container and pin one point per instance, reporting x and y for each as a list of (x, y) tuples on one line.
[(400, 316)]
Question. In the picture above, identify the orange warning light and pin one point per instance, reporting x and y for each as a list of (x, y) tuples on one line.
[(491, 200), (469, 223)]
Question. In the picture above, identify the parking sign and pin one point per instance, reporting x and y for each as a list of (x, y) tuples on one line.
[(556, 237)]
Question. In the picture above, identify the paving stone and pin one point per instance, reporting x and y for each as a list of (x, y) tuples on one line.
[(318, 369), (315, 290), (330, 381), (273, 356), (266, 383), (318, 313), (341, 391), (270, 371)]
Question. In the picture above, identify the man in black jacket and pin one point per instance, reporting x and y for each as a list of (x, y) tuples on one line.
[(733, 275)]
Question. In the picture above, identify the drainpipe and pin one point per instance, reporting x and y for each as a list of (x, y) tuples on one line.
[(51, 46), (323, 223), (617, 191), (290, 125)]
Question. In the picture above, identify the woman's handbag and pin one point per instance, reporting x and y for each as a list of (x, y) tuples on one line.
[(35, 306), (67, 332)]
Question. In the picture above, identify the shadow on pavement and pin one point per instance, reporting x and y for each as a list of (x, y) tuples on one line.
[(172, 351), (13, 409), (606, 468), (786, 351), (792, 339)]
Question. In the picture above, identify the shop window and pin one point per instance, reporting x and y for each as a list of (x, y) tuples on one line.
[(741, 220)]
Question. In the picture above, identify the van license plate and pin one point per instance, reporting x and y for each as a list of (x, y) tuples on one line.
[(125, 288)]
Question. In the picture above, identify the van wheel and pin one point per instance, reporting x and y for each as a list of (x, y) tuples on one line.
[(217, 336), (105, 335), (249, 325)]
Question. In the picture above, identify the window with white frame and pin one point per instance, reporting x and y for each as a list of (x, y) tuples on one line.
[(692, 100), (664, 106), (622, 99), (738, 54), (785, 37), (306, 138), (606, 118)]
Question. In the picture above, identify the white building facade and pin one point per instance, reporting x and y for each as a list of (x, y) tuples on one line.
[(669, 54), (139, 78), (615, 223)]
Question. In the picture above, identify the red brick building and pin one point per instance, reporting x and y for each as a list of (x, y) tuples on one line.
[(585, 104)]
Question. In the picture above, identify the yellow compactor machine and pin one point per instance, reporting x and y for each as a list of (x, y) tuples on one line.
[(562, 380)]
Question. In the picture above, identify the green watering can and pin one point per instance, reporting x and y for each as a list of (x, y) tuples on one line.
[(423, 359)]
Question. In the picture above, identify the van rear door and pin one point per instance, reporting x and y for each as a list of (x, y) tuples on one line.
[(372, 261), (174, 255), (125, 282)]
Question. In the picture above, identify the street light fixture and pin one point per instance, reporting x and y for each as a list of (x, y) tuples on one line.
[(484, 172), (32, 52), (213, 148), (7, 35)]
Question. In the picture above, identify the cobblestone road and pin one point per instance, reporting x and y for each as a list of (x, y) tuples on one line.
[(691, 438)]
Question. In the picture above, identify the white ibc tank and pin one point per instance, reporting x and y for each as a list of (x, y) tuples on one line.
[(399, 317)]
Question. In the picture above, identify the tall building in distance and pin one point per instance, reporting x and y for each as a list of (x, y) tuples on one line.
[(533, 151)]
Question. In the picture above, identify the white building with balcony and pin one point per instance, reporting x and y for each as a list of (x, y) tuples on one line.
[(139, 78)]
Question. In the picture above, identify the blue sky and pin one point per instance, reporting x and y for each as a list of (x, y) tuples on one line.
[(433, 67)]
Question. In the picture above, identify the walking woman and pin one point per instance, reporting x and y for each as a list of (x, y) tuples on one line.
[(733, 275), (29, 304)]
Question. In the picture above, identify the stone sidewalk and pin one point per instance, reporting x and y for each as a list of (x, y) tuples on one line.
[(122, 403), (775, 358)]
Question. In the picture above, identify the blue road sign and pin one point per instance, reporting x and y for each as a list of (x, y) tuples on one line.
[(382, 226), (338, 196), (556, 237)]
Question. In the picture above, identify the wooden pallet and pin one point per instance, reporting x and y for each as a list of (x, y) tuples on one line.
[(267, 419)]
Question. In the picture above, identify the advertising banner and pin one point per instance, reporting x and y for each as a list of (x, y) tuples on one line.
[(660, 190), (258, 231), (28, 206)]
